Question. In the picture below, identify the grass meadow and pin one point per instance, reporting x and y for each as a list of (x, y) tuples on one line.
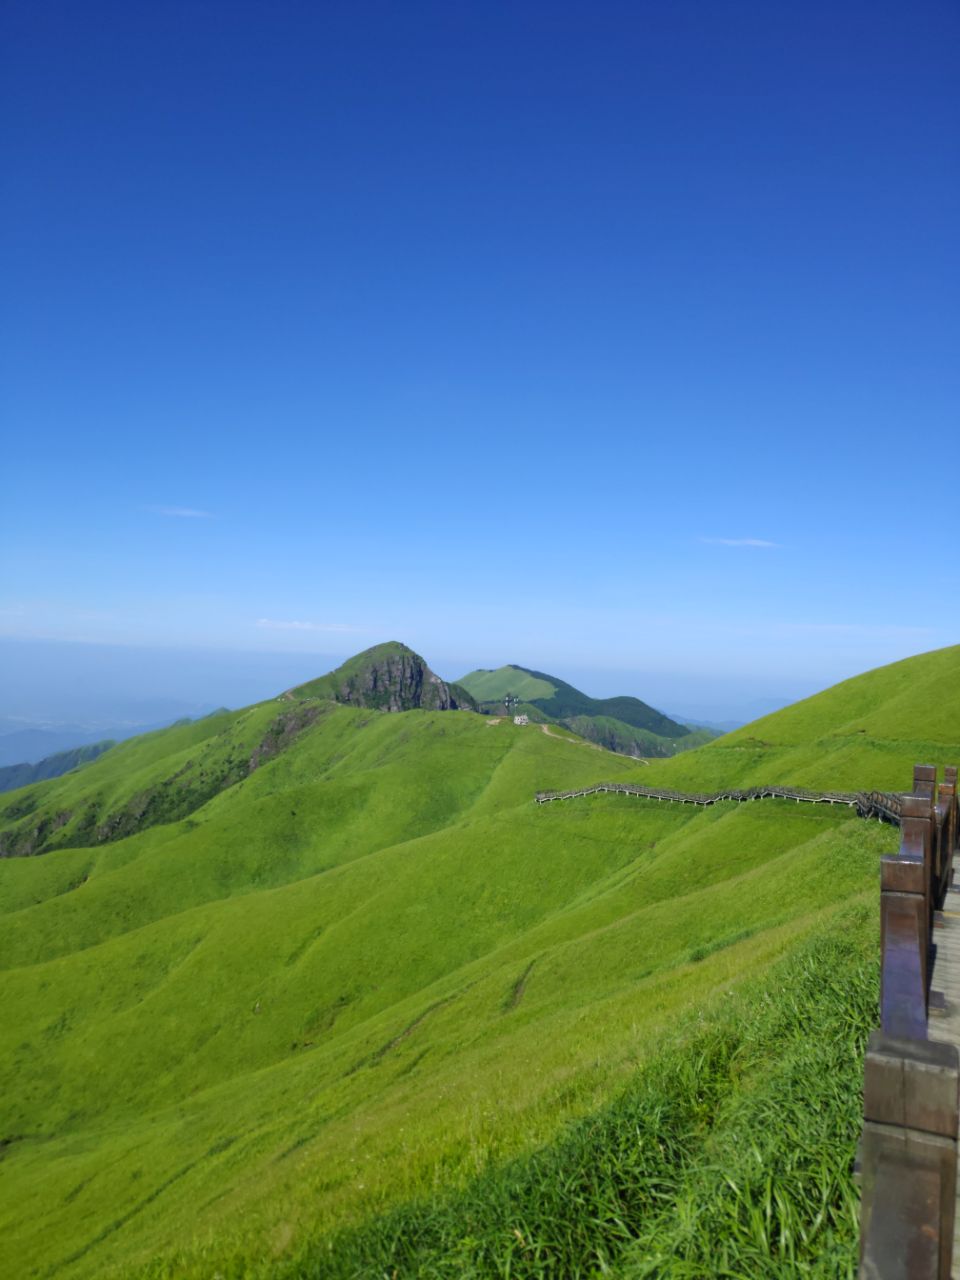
[(366, 1009)]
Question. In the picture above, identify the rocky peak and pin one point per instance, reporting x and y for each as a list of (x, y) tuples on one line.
[(388, 677)]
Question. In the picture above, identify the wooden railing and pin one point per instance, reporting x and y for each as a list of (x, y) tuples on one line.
[(883, 805), (908, 1152)]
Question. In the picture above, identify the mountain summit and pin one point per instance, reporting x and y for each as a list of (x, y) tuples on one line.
[(388, 677)]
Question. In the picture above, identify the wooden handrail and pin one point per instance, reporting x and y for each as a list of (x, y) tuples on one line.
[(911, 1086), (882, 805)]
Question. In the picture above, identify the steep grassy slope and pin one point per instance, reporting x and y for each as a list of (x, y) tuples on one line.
[(727, 1155), (366, 963), (149, 780), (329, 964), (866, 732)]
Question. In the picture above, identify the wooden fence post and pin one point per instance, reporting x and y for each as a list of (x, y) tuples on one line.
[(906, 918), (924, 780), (909, 1155)]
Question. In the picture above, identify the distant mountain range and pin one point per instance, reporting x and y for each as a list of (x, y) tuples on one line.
[(21, 775), (719, 726), (392, 677), (623, 724), (25, 743)]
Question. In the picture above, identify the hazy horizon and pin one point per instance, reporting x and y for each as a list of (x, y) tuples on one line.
[(52, 684)]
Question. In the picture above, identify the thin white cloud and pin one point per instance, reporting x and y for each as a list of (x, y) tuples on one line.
[(182, 513), (740, 542), (275, 624)]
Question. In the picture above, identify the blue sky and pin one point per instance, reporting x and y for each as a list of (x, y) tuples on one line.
[(615, 339)]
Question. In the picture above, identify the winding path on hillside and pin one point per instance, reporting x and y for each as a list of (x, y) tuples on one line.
[(594, 746), (882, 805)]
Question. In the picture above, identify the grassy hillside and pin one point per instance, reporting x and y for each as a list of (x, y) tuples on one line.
[(866, 732), (149, 780), (493, 686), (686, 1173), (561, 700), (330, 967)]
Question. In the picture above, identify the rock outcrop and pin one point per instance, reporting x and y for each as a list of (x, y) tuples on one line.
[(397, 682), (388, 677)]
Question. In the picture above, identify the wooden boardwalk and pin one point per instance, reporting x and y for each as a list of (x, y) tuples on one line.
[(882, 805), (944, 1023)]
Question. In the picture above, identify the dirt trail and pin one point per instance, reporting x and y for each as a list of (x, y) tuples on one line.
[(545, 728), (581, 742)]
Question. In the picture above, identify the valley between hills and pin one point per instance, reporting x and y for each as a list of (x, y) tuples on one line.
[(314, 988)]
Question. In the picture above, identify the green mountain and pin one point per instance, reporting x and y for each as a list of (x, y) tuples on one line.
[(514, 682), (277, 973), (132, 797), (21, 775), (623, 724)]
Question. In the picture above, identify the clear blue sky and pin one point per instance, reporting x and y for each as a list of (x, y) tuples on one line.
[(514, 331)]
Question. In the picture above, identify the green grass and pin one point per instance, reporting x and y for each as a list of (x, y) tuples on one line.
[(865, 733), (727, 1155), (315, 985)]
